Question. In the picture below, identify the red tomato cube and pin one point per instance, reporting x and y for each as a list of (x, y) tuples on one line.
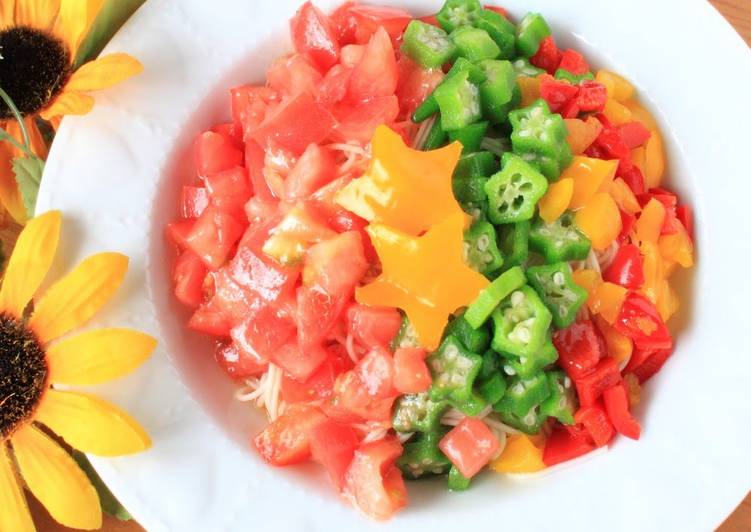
[(333, 445), (286, 440), (213, 235), (470, 446), (188, 274), (313, 34), (215, 152), (373, 326), (411, 374)]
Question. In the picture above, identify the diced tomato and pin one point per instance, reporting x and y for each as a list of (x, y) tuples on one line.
[(193, 200), (628, 221), (595, 421), (644, 363), (367, 390), (616, 404), (627, 268), (215, 152), (313, 34), (358, 122), (290, 75), (562, 446), (250, 104), (574, 62), (264, 330), (592, 96), (580, 347), (589, 387), (333, 86), (236, 363), (634, 134), (177, 232), (352, 54), (317, 313), (373, 326), (286, 440), (415, 84), (320, 385), (344, 23), (639, 320), (298, 363), (370, 18), (432, 20), (188, 274), (548, 56), (208, 319), (254, 162), (257, 210), (376, 74), (229, 297), (213, 236), (337, 264), (229, 190), (634, 178), (686, 216), (373, 481), (229, 131), (557, 92), (411, 374), (314, 168), (470, 445), (333, 445), (295, 123)]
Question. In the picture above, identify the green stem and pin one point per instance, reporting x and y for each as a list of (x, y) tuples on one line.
[(17, 114), (4, 135)]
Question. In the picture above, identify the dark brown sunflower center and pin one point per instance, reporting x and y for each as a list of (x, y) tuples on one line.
[(23, 374), (34, 67)]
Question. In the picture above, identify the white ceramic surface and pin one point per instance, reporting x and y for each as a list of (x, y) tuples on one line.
[(115, 174)]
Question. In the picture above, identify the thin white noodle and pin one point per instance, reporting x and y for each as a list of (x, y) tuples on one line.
[(264, 391), (404, 436), (605, 258), (493, 423), (502, 439), (350, 346), (592, 263), (347, 147), (418, 141)]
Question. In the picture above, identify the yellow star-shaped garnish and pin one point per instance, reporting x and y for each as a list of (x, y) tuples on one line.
[(406, 189), (424, 276)]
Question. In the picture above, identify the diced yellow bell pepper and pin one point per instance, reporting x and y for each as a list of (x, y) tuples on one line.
[(556, 200), (589, 176), (600, 220), (677, 247), (530, 89), (589, 280), (653, 272), (616, 112), (520, 455), (633, 388), (582, 133), (641, 114), (618, 87), (668, 267), (624, 196), (649, 224), (654, 160), (607, 300), (667, 300), (619, 346), (637, 157)]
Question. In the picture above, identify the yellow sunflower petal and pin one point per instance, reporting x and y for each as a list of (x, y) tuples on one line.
[(68, 103), (104, 72), (56, 480), (6, 12), (38, 14), (30, 261), (10, 196), (91, 425), (98, 356), (71, 301), (74, 20), (14, 512)]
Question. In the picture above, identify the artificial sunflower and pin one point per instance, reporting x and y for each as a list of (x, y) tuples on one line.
[(34, 412), (39, 40)]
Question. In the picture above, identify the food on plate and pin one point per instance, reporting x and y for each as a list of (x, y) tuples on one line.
[(431, 247)]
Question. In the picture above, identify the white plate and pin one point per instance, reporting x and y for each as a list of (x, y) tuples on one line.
[(115, 174)]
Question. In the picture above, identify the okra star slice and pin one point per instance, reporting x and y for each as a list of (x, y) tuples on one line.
[(537, 130), (458, 101), (529, 34), (457, 13), (526, 367), (454, 370), (514, 243), (474, 44), (560, 241), (474, 340), (429, 106), (477, 164), (481, 248), (521, 323), (418, 413), (561, 402), (428, 45), (482, 307), (497, 91), (472, 406), (500, 30), (492, 389), (531, 423), (559, 292), (513, 192), (522, 395), (423, 457)]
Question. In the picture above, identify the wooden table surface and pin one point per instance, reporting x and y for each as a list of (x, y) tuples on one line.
[(738, 12)]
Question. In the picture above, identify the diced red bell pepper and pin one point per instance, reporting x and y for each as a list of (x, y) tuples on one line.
[(193, 201), (595, 421), (670, 201), (313, 34), (634, 134), (470, 445), (557, 92), (563, 446), (574, 62), (188, 274), (571, 109), (634, 178), (333, 445), (686, 216), (548, 56), (627, 268), (589, 387), (411, 373), (639, 320), (644, 363), (616, 404), (592, 96), (286, 440), (628, 221), (580, 347)]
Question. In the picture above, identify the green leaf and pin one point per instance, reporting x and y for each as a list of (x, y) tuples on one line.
[(111, 17), (108, 501), (28, 172)]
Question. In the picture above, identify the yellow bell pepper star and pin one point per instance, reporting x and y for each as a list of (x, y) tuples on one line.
[(409, 190), (425, 276)]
